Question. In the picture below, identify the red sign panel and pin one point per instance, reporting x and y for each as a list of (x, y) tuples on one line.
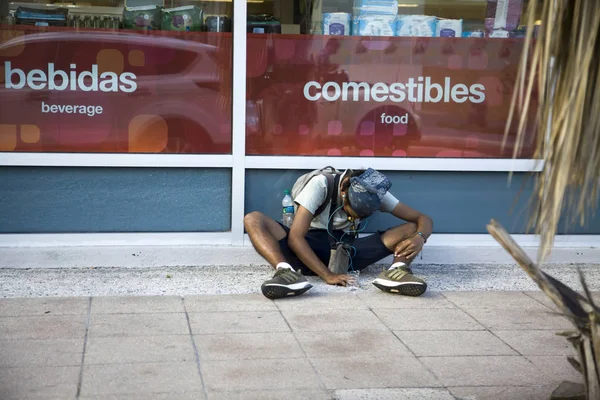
[(394, 97), (114, 91)]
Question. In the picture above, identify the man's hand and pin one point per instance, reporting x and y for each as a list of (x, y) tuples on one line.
[(334, 279), (409, 248)]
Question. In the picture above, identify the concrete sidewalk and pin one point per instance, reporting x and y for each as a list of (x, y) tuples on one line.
[(322, 345)]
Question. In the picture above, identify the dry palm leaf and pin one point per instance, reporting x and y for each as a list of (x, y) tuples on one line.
[(560, 68)]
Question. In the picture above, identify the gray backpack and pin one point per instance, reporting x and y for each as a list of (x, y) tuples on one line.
[(302, 181)]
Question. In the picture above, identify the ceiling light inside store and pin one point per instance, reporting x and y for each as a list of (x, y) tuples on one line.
[(407, 5)]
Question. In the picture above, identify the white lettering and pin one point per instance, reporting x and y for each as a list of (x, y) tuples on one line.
[(86, 81), (90, 111), (380, 92), (356, 88), (477, 93), (397, 90), (307, 94), (337, 90), (128, 84), (8, 77), (52, 74), (416, 90), (394, 119), (34, 76), (428, 88), (460, 90)]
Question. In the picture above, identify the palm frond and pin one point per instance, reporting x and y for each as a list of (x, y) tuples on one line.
[(560, 69)]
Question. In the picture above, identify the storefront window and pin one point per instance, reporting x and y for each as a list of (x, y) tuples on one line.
[(147, 76), (389, 78)]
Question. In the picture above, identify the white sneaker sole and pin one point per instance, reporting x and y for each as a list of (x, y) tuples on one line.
[(295, 286), (391, 284)]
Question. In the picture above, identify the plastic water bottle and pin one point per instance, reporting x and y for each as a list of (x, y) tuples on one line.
[(288, 209)]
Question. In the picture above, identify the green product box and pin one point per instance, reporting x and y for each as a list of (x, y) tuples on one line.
[(183, 19), (143, 17)]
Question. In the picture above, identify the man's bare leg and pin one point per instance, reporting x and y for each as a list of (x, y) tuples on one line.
[(399, 279), (394, 236), (265, 235)]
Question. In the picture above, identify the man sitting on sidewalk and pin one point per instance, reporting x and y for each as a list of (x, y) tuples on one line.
[(305, 248)]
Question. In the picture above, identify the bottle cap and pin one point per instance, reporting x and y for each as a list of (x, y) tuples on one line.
[(286, 192)]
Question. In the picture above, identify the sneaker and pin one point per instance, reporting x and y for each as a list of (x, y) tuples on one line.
[(400, 280), (285, 283)]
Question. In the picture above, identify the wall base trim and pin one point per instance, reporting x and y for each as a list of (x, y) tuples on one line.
[(214, 249)]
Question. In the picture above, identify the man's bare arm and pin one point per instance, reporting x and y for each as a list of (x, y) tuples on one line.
[(297, 242)]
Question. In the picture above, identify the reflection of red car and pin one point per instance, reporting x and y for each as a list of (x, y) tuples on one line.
[(179, 105)]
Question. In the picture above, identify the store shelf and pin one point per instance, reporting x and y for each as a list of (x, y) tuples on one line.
[(73, 9)]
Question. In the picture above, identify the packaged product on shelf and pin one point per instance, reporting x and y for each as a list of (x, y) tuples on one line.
[(499, 33), (377, 7), (142, 17), (503, 14), (336, 24), (42, 16), (218, 23), (184, 19), (376, 25), (263, 23), (416, 25), (473, 34), (449, 28)]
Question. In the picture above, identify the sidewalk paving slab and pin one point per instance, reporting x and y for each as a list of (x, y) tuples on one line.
[(44, 306), (454, 343), (221, 303), (485, 371), (243, 346), (520, 318), (137, 305), (431, 319), (110, 379), (38, 383), (43, 327), (259, 374), (237, 322), (510, 300), (394, 394), (536, 342), (354, 343), (139, 349), (380, 372), (289, 394), (41, 352), (541, 392), (148, 396), (332, 320), (111, 325)]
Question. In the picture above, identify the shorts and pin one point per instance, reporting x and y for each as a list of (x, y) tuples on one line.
[(369, 249)]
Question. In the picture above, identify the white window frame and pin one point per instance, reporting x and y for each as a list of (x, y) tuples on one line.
[(238, 162)]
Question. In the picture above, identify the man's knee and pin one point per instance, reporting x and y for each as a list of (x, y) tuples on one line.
[(253, 220)]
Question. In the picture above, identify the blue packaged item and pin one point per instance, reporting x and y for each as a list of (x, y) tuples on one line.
[(416, 26), (336, 24), (376, 25), (473, 34), (449, 28), (377, 7)]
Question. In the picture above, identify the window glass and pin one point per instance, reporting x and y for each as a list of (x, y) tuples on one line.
[(104, 76), (389, 78)]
